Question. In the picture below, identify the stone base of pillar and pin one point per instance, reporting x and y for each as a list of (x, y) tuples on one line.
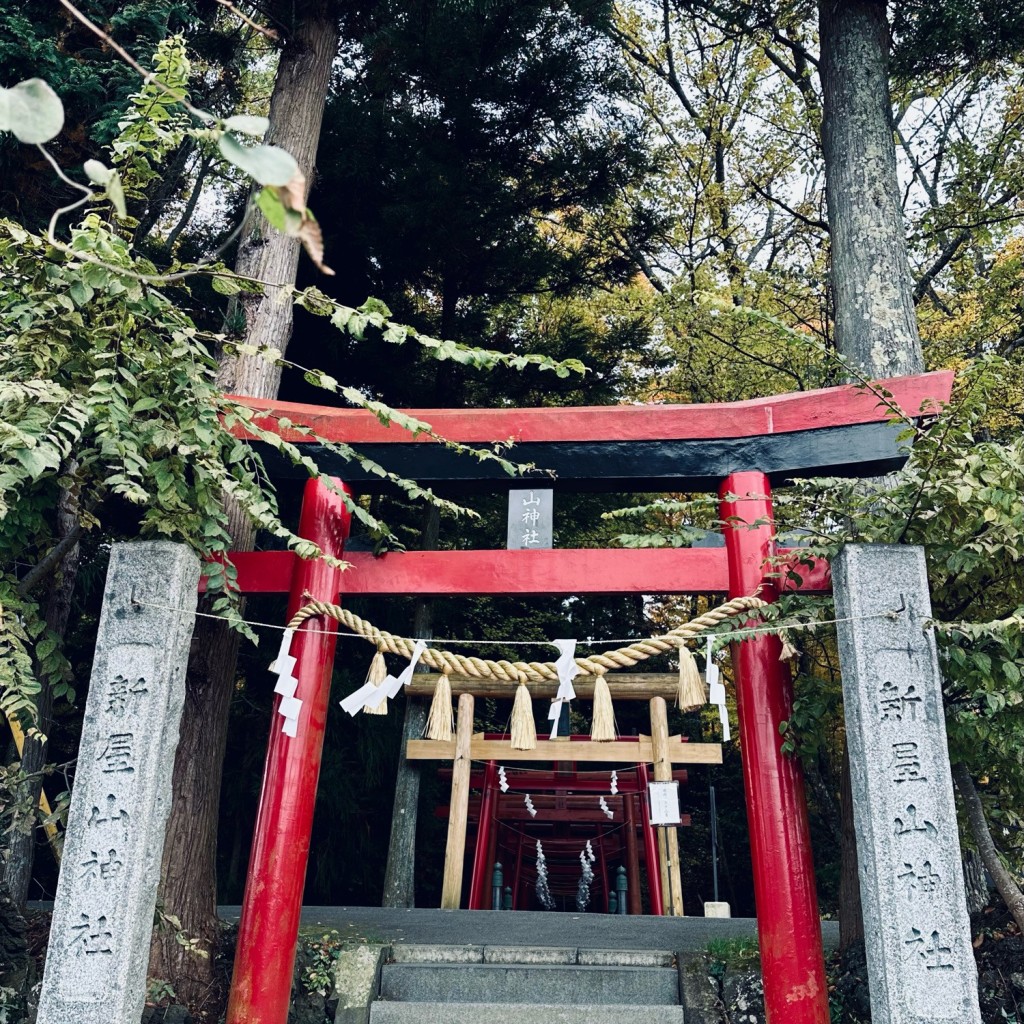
[(712, 909)]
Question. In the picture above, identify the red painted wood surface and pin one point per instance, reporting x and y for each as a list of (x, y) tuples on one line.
[(480, 879), (801, 410), (552, 571), (269, 928), (789, 931), (651, 861)]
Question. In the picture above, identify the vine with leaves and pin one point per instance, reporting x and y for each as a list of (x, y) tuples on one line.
[(108, 389)]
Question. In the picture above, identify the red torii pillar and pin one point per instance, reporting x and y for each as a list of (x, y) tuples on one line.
[(788, 925), (262, 981)]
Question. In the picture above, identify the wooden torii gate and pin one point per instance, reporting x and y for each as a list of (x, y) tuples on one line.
[(737, 449)]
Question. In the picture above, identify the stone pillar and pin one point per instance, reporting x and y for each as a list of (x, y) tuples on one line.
[(920, 962), (103, 913)]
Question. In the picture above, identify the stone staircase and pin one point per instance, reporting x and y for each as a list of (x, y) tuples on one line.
[(436, 984)]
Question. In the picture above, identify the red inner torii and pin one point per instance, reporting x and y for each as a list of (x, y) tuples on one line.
[(848, 425), (502, 837)]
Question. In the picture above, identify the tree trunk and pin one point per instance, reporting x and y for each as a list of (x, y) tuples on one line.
[(21, 845), (873, 293), (851, 919), (975, 882), (188, 886), (189, 883), (400, 873), (296, 114), (1005, 883), (875, 325), (16, 967)]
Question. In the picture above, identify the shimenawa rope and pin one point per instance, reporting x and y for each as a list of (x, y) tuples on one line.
[(533, 671)]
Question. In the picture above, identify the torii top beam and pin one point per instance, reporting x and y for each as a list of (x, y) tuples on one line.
[(841, 431)]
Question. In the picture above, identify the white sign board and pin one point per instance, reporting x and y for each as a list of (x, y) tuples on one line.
[(664, 800)]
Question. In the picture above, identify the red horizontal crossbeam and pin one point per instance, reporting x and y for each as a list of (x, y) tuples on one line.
[(802, 410), (552, 571)]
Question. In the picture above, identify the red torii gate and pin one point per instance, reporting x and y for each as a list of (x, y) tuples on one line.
[(737, 449)]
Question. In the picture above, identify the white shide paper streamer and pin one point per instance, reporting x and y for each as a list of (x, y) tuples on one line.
[(284, 665)]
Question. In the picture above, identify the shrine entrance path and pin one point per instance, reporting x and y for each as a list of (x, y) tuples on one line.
[(529, 928)]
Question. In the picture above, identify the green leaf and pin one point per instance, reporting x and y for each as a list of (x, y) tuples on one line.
[(247, 124), (269, 165), (225, 284), (81, 292), (31, 111), (272, 208), (35, 461)]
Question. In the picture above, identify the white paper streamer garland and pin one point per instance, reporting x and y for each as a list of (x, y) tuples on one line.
[(544, 897), (716, 694), (567, 670), (284, 665), (587, 858), (370, 694)]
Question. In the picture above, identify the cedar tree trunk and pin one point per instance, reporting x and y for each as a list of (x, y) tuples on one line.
[(873, 293), (188, 888), (875, 326)]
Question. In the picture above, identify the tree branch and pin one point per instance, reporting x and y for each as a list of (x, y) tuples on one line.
[(1008, 888), (42, 569)]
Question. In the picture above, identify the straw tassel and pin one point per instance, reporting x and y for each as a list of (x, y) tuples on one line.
[(602, 727), (441, 721), (789, 651), (377, 674), (524, 727), (691, 693)]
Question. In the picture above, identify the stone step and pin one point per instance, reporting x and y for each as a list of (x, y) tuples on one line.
[(437, 953), (519, 1013), (529, 983)]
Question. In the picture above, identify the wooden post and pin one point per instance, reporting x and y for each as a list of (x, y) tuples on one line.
[(399, 875), (455, 851), (650, 846), (606, 885), (668, 837), (788, 925), (486, 837), (272, 904), (51, 830), (517, 877), (666, 882), (632, 855)]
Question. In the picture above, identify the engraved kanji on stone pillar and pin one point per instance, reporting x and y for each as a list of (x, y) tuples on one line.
[(103, 913), (920, 961)]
